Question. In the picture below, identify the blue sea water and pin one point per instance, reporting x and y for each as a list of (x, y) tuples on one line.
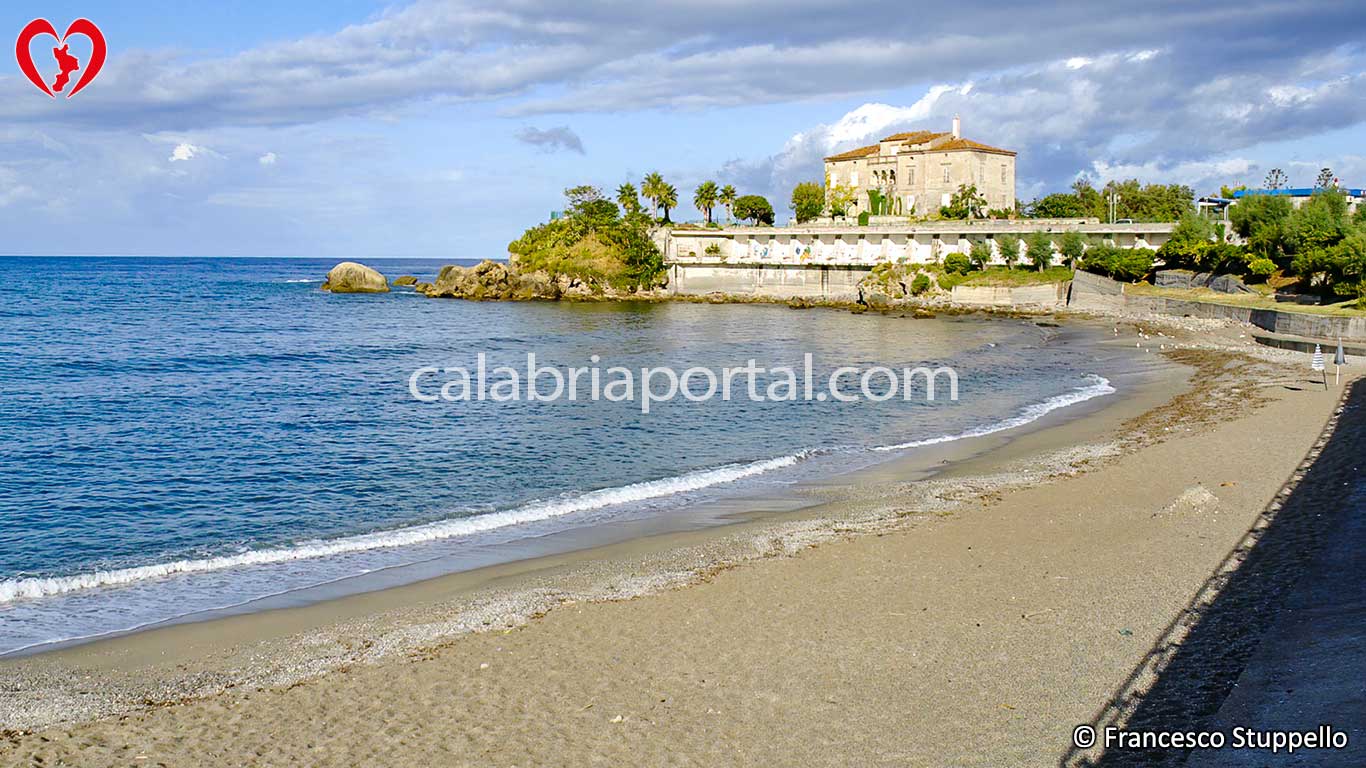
[(181, 435)]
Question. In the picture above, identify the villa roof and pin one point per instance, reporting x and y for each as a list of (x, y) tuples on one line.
[(855, 154), (958, 145), (916, 137), (922, 137)]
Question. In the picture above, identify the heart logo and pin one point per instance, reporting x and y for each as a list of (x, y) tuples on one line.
[(66, 62)]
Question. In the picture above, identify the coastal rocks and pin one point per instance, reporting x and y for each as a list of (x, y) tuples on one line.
[(494, 281), (405, 280), (350, 277), (491, 281)]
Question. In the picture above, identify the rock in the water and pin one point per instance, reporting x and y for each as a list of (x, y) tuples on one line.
[(492, 281), (405, 280), (350, 277)]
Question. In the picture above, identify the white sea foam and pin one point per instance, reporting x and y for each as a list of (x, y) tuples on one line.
[(301, 280), (1098, 387), (15, 589)]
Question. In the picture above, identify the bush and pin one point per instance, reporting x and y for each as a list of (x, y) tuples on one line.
[(957, 263), (1261, 267), (920, 284), (1127, 264), (863, 218)]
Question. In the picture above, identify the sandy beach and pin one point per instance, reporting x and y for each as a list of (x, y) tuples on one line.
[(972, 618)]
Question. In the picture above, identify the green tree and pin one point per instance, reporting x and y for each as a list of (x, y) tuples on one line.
[(1072, 246), (727, 200), (652, 189), (704, 197), (628, 198), (1275, 179), (966, 203), (840, 198), (1039, 250), (1326, 180), (1261, 220), (1009, 246), (754, 208), (1058, 205), (980, 254), (1191, 237), (668, 198), (808, 201)]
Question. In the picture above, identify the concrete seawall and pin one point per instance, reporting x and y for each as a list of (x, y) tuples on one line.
[(1096, 293), (829, 282)]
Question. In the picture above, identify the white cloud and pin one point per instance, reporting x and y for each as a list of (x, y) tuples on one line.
[(268, 158), (185, 151)]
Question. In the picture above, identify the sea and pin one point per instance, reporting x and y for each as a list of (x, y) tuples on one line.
[(180, 437)]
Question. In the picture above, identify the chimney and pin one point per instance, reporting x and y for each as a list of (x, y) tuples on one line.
[(957, 127)]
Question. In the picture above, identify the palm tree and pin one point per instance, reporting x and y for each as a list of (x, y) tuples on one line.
[(627, 198), (668, 198), (705, 198), (652, 188), (727, 199)]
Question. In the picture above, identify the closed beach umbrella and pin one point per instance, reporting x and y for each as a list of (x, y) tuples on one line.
[(1339, 360)]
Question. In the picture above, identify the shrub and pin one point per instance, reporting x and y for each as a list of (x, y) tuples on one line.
[(957, 263), (1261, 267), (1126, 264), (920, 284), (863, 218)]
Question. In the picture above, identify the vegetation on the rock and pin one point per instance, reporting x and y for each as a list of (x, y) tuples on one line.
[(593, 241)]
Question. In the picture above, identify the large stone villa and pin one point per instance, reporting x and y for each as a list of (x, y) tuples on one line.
[(915, 173), (919, 171)]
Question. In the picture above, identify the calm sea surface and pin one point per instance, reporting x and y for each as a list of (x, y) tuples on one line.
[(181, 435)]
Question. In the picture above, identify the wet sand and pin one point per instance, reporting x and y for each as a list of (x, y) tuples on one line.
[(970, 619)]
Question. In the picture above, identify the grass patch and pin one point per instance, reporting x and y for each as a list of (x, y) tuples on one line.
[(1000, 276)]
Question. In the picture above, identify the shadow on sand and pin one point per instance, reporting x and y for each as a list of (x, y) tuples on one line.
[(1185, 677)]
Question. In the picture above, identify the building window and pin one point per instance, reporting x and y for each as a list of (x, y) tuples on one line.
[(946, 174), (910, 175), (1003, 173)]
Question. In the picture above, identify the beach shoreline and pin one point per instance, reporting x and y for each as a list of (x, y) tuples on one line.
[(311, 645)]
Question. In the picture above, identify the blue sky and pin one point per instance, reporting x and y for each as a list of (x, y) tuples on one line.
[(435, 128)]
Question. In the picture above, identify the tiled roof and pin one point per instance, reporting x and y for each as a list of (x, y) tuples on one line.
[(922, 137), (855, 154), (953, 145), (915, 137)]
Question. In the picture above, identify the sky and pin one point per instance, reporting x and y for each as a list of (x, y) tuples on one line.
[(440, 128)]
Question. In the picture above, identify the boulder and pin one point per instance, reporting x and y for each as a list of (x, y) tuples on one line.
[(350, 277), (492, 281), (406, 280)]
